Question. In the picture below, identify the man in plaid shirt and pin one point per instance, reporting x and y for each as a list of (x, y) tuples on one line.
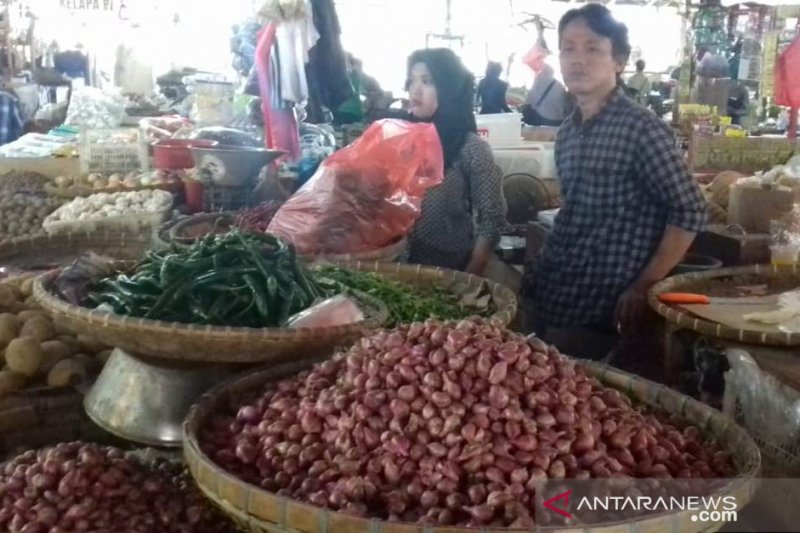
[(630, 207)]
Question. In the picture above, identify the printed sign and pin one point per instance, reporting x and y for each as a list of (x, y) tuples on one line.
[(89, 5)]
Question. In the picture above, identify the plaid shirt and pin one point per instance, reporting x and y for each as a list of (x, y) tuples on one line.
[(10, 118), (623, 181)]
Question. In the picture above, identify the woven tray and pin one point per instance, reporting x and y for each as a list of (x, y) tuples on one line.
[(720, 283), (259, 511), (504, 301), (191, 342), (48, 251)]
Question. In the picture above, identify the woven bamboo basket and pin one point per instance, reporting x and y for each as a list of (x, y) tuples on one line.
[(719, 283), (192, 342), (49, 251), (36, 418), (167, 235), (259, 511), (503, 299)]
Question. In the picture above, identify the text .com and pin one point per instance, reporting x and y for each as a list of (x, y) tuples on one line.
[(715, 516)]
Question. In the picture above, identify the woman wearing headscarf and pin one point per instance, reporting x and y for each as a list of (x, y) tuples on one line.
[(461, 219)]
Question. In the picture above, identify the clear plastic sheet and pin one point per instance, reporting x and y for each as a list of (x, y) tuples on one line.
[(336, 311), (767, 408)]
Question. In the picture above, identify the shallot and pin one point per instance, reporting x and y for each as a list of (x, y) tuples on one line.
[(446, 423)]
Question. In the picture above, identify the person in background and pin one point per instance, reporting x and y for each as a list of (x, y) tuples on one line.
[(547, 103), (461, 218), (639, 84), (354, 109), (492, 91), (11, 123), (738, 103), (74, 64), (630, 209)]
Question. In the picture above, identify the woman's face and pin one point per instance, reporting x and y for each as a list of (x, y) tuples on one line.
[(422, 97), (587, 60)]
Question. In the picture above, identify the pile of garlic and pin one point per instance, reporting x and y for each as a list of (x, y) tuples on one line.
[(105, 205)]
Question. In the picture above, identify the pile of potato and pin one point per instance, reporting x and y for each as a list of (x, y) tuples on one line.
[(22, 214), (34, 350)]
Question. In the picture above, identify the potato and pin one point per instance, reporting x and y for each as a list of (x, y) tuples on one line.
[(10, 382), (31, 303), (104, 356), (26, 287), (70, 341), (8, 296), (66, 373), (9, 329), (62, 328), (90, 344), (53, 352), (24, 355), (24, 316), (11, 318), (40, 329), (90, 364)]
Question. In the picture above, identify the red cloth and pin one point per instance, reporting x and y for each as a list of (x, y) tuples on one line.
[(787, 76), (787, 82), (280, 125)]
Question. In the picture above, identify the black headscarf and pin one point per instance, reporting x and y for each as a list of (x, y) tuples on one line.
[(454, 118)]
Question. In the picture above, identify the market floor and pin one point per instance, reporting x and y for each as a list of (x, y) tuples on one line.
[(768, 512)]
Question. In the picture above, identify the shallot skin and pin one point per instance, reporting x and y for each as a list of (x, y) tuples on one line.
[(445, 423)]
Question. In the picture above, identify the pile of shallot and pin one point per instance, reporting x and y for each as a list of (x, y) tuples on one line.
[(447, 424), (84, 487)]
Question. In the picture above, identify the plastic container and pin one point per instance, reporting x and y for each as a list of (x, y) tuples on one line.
[(500, 128), (175, 154), (113, 150), (193, 190), (783, 254), (697, 263)]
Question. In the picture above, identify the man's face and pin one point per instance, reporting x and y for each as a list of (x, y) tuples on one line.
[(587, 61)]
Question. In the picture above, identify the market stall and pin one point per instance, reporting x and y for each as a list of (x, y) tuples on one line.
[(222, 317)]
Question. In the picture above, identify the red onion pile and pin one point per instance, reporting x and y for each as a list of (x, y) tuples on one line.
[(84, 487), (447, 424)]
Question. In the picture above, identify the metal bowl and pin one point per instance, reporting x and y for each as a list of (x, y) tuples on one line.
[(145, 400), (232, 166)]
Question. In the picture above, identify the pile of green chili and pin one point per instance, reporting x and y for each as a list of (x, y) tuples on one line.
[(405, 303), (235, 279)]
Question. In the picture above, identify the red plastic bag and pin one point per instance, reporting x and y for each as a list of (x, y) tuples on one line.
[(364, 196)]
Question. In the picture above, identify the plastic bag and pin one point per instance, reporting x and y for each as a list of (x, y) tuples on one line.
[(93, 108), (364, 196), (336, 311), (768, 408)]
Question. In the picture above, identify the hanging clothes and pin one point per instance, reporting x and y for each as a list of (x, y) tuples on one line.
[(326, 71), (294, 39), (280, 125)]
